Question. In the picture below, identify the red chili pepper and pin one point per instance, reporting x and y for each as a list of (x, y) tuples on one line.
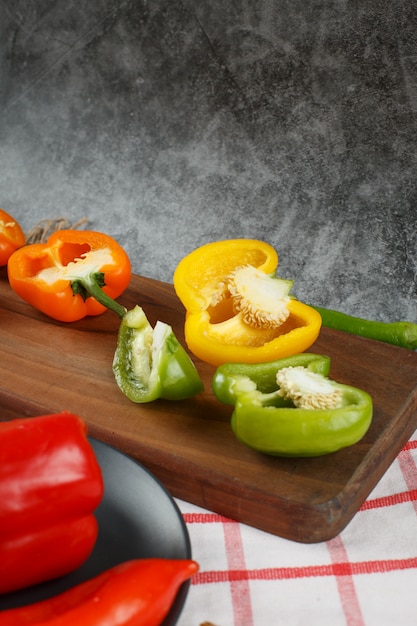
[(75, 274), (50, 484), (135, 593), (11, 236)]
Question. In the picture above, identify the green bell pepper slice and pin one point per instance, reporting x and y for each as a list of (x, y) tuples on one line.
[(150, 363), (290, 408)]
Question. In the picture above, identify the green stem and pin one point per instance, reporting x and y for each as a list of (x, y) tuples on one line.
[(90, 285), (403, 334)]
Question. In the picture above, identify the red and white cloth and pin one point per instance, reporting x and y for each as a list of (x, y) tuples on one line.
[(366, 576)]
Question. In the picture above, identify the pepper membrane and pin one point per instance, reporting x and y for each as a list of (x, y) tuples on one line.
[(150, 363), (289, 407), (74, 275), (50, 485)]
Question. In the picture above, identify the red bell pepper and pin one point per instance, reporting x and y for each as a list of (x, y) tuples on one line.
[(135, 593), (50, 484), (12, 237), (75, 274)]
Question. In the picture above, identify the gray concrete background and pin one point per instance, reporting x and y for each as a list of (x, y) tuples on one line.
[(171, 124)]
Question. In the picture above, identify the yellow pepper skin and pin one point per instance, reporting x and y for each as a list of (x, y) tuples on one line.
[(214, 332)]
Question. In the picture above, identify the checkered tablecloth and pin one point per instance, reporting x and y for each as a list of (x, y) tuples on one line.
[(366, 576)]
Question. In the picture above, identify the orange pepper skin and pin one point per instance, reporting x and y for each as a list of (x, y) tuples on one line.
[(62, 252), (135, 593), (12, 237), (214, 333)]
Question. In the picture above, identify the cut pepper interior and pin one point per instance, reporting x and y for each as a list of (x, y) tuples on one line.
[(150, 363), (72, 262), (308, 390), (74, 274), (237, 308), (290, 407)]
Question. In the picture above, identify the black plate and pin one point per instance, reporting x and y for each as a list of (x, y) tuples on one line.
[(137, 519)]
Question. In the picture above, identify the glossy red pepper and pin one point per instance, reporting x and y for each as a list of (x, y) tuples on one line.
[(50, 484), (135, 593)]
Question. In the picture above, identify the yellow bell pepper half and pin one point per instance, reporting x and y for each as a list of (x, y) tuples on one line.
[(237, 309)]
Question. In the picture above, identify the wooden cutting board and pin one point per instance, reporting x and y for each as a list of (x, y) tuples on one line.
[(48, 367)]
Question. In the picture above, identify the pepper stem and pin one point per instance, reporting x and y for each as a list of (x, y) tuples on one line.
[(91, 285)]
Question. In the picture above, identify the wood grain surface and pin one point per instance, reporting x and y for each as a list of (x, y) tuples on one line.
[(47, 366)]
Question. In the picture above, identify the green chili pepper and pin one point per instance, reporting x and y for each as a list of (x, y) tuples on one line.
[(150, 363), (403, 334), (290, 407)]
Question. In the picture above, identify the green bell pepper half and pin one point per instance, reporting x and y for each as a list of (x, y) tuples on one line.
[(150, 363), (267, 419)]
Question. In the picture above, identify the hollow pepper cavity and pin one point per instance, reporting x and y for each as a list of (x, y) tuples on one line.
[(289, 407), (150, 363), (135, 593), (12, 237), (74, 275), (50, 485), (237, 309)]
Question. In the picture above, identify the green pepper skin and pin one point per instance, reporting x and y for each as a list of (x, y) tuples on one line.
[(264, 421), (402, 334), (231, 379), (151, 363)]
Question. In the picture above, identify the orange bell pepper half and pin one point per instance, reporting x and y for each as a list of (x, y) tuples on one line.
[(74, 275), (237, 309), (12, 236)]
